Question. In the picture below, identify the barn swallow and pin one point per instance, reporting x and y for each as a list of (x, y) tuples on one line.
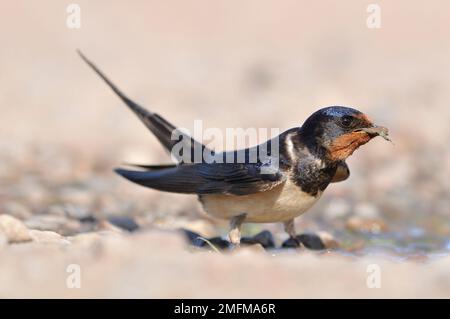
[(309, 158)]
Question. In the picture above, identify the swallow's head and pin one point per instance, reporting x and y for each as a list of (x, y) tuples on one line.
[(340, 131)]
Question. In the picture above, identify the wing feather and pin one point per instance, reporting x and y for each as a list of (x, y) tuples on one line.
[(202, 178)]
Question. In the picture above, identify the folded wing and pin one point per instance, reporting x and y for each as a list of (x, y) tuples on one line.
[(202, 178)]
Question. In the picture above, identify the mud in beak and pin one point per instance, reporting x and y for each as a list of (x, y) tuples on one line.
[(376, 131)]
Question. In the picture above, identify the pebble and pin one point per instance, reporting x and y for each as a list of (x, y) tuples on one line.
[(47, 237), (337, 208), (217, 242), (86, 240), (56, 210), (264, 238), (17, 210), (13, 229), (314, 241), (124, 222), (197, 240), (77, 212), (46, 222), (367, 225), (106, 225), (55, 223), (311, 241), (75, 196), (93, 238), (366, 210), (328, 240), (291, 243)]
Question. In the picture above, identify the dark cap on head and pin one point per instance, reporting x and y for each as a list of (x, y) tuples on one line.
[(336, 123)]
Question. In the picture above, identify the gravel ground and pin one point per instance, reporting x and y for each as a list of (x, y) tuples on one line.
[(62, 209)]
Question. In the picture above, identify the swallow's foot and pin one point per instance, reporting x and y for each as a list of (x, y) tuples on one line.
[(289, 228), (235, 229), (292, 241), (235, 236)]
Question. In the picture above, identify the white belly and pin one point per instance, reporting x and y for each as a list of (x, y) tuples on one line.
[(281, 203)]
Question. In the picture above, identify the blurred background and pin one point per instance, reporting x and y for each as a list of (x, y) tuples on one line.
[(231, 64)]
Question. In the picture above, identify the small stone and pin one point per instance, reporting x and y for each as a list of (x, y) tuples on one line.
[(36, 196), (13, 229), (46, 222), (198, 241), (89, 220), (291, 243), (218, 242), (124, 222), (328, 240), (368, 225), (337, 208), (314, 241), (93, 238), (47, 237), (55, 223), (106, 225), (55, 210), (86, 240), (264, 238), (416, 232), (311, 241), (75, 196), (77, 212), (16, 209), (193, 238), (366, 210)]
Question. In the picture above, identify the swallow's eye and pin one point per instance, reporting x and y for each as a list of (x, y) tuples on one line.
[(346, 121)]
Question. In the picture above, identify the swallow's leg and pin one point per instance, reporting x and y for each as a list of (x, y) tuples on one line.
[(235, 229), (289, 228), (293, 241)]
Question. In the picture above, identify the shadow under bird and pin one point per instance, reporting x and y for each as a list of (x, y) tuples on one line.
[(308, 159)]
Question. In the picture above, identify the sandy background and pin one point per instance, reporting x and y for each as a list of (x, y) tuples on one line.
[(230, 64)]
